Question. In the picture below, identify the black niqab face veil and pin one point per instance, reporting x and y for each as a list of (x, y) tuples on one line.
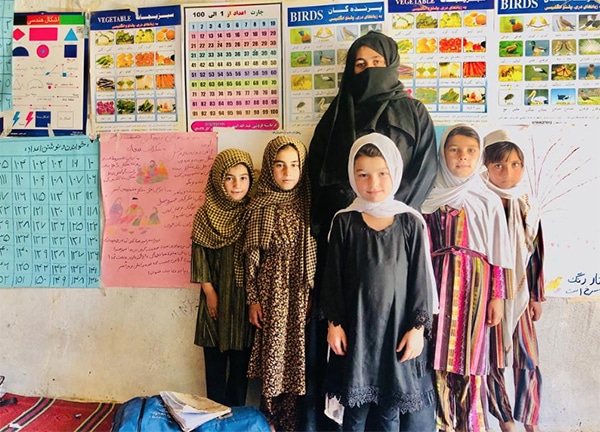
[(372, 81), (360, 102)]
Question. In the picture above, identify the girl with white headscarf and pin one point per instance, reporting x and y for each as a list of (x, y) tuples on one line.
[(470, 250), (504, 160), (377, 295)]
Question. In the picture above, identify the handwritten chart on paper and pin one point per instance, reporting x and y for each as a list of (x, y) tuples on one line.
[(49, 212), (136, 83), (561, 164), (49, 71), (445, 53), (317, 43), (6, 20), (233, 67), (152, 185)]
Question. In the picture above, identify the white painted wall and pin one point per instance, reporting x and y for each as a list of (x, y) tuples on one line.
[(114, 344)]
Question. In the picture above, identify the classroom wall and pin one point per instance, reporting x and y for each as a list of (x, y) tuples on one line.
[(113, 344)]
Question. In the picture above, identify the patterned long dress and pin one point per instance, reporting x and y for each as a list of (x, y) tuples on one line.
[(466, 282), (274, 280)]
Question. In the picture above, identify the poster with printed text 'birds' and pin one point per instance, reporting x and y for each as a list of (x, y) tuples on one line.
[(548, 62)]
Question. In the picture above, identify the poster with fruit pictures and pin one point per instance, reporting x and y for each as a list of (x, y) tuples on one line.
[(135, 64), (444, 55), (548, 61), (317, 41)]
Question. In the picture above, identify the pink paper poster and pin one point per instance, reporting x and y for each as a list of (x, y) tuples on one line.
[(152, 185)]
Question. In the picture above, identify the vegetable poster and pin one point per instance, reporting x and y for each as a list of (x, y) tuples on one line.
[(49, 75), (135, 63), (445, 56)]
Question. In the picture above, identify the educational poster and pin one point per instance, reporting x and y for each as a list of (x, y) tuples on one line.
[(549, 62), (233, 67), (317, 39), (49, 75), (561, 164), (49, 212), (444, 52), (6, 23), (152, 185), (135, 73)]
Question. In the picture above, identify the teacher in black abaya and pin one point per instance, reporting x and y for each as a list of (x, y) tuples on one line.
[(370, 99)]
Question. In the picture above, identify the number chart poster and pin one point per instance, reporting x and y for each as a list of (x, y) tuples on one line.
[(444, 53), (318, 38), (233, 67), (152, 185), (49, 212), (49, 75), (549, 62), (136, 58), (6, 21)]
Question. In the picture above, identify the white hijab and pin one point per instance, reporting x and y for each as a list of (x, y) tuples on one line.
[(486, 223), (523, 222), (389, 206)]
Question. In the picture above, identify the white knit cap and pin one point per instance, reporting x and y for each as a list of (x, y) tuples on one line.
[(499, 135)]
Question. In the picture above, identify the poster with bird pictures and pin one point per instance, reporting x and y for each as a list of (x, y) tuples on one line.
[(548, 57), (317, 39)]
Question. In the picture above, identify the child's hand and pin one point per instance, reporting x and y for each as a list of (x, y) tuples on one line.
[(255, 315), (495, 311), (212, 300), (412, 343), (535, 309), (336, 338)]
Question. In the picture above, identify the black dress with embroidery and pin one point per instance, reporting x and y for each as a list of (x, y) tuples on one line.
[(376, 285)]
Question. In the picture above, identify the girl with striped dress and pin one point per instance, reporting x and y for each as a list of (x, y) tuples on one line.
[(470, 251)]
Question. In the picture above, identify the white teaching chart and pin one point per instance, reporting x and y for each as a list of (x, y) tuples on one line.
[(49, 75)]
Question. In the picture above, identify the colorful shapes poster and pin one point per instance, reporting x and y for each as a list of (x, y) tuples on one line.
[(233, 67), (548, 62), (49, 58), (49, 212), (444, 54), (152, 185), (6, 23), (135, 64), (317, 40)]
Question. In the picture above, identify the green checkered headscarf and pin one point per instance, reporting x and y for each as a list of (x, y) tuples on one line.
[(220, 220)]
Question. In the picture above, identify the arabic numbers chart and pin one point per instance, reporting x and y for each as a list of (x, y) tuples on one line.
[(317, 41), (49, 212), (49, 67), (233, 70), (6, 21), (444, 56), (135, 58), (549, 62)]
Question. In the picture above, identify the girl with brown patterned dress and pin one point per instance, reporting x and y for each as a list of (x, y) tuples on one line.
[(222, 326), (280, 264)]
